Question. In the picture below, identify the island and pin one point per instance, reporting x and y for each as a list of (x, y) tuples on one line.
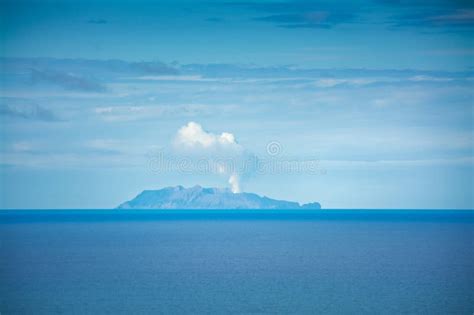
[(198, 197)]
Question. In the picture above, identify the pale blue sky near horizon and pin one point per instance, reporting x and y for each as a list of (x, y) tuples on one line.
[(379, 93)]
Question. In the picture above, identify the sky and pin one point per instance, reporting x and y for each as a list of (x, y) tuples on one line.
[(354, 104)]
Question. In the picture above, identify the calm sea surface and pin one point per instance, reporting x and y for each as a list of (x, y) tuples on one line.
[(275, 262)]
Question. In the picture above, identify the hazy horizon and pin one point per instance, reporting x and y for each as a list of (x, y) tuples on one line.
[(353, 104)]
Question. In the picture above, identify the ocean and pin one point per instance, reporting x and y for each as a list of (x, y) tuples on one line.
[(237, 262)]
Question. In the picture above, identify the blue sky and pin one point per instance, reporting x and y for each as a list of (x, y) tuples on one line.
[(378, 93)]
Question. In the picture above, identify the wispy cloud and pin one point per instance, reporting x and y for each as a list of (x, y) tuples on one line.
[(449, 16), (440, 15), (65, 80), (303, 14), (456, 18), (175, 78), (460, 18), (124, 113), (27, 111), (395, 164), (78, 70)]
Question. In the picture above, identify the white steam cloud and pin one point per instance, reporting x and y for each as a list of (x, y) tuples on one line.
[(193, 138), (234, 183)]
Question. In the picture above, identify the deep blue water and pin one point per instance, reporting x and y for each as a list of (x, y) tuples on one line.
[(251, 262)]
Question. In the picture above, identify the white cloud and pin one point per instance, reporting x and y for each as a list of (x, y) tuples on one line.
[(192, 135), (421, 78), (221, 149), (330, 82), (175, 78), (124, 113), (394, 164)]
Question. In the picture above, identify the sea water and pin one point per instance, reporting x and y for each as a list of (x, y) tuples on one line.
[(245, 262)]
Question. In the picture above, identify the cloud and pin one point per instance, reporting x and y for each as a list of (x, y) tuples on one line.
[(193, 136), (65, 80), (243, 72), (303, 14), (442, 10), (153, 67), (27, 111), (444, 14), (297, 6), (422, 78), (456, 18), (126, 113), (234, 183), (394, 164), (221, 151), (453, 19), (190, 78), (331, 82), (150, 112), (79, 74)]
